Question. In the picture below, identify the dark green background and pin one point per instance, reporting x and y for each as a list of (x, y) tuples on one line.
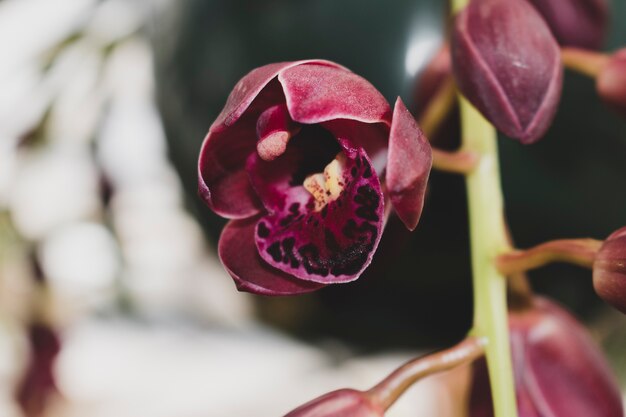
[(417, 293)]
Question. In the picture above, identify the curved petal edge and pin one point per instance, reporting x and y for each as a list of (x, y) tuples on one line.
[(408, 166), (240, 257)]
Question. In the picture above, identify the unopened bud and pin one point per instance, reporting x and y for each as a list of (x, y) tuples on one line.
[(609, 270), (558, 369), (508, 65)]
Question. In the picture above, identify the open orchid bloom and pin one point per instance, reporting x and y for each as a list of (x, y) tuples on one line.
[(340, 403), (609, 270), (507, 63), (303, 158), (559, 371), (579, 23)]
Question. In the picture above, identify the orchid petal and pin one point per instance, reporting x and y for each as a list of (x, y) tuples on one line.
[(249, 87), (316, 94), (241, 259), (408, 166)]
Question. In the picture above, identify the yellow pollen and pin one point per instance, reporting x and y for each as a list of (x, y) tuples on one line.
[(327, 186)]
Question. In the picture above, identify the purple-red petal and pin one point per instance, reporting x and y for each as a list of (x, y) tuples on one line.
[(222, 180), (334, 244), (317, 93), (246, 90), (408, 166), (240, 257)]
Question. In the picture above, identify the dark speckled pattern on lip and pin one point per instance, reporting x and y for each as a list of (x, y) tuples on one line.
[(332, 245)]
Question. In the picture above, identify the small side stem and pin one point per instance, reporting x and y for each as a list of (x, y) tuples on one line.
[(391, 388), (581, 252), (584, 61), (458, 162)]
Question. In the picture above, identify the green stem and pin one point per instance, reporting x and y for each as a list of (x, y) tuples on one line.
[(488, 240)]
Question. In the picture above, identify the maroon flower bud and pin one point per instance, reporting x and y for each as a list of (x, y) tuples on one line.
[(609, 270), (508, 65), (296, 157), (558, 369), (341, 403), (611, 82), (580, 23)]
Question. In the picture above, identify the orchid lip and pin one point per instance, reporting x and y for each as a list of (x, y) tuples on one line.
[(324, 229)]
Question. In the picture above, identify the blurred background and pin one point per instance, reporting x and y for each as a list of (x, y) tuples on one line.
[(112, 300)]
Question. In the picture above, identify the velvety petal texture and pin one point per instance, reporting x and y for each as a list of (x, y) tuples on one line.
[(507, 64), (408, 167), (241, 259), (559, 371), (609, 270), (341, 403), (296, 158), (318, 93), (611, 82), (579, 23)]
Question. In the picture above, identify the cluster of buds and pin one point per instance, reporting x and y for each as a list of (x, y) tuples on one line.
[(307, 159)]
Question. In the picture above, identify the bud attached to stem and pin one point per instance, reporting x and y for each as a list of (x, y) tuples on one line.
[(609, 270), (559, 371), (507, 64)]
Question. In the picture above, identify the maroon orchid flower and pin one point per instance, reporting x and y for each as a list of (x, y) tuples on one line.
[(297, 159), (508, 64), (559, 371)]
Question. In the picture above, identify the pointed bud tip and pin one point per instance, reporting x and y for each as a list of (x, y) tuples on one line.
[(514, 81)]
